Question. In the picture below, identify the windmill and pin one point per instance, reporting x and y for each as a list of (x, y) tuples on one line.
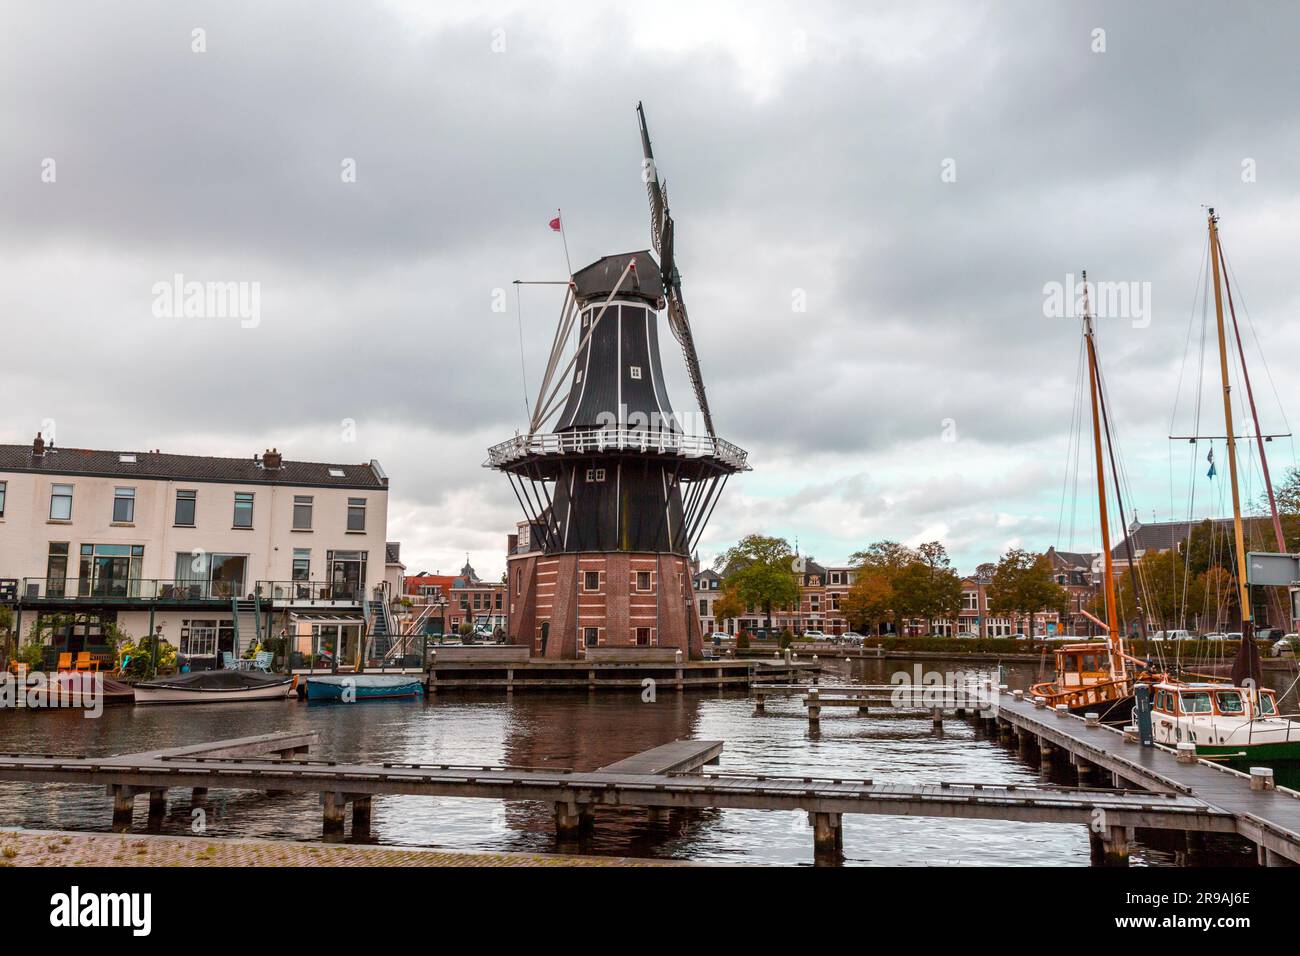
[(616, 494)]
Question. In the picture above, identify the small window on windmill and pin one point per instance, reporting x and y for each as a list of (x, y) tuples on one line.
[(579, 378), (635, 371), (595, 474)]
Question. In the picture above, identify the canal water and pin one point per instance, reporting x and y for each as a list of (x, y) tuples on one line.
[(581, 731)]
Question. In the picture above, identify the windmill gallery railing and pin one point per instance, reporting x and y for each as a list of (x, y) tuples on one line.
[(598, 440)]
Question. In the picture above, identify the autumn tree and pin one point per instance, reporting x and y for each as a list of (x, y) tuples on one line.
[(870, 600)]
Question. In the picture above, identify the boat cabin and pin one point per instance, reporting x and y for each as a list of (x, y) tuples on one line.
[(1211, 700), (1079, 665)]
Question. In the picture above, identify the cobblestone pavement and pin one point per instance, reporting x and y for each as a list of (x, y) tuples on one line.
[(61, 848)]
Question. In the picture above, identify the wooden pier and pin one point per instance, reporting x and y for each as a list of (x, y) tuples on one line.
[(510, 669), (639, 781)]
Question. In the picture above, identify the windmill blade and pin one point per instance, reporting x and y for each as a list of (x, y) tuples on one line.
[(680, 323), (654, 191), (661, 235)]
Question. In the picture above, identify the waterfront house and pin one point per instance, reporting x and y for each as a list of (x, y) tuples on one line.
[(215, 554)]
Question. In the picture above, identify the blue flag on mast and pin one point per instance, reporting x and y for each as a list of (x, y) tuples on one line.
[(1210, 458)]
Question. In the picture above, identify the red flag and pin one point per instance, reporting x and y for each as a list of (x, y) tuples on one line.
[(555, 224)]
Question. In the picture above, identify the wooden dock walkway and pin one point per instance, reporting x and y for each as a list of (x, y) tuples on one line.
[(577, 795), (1267, 816)]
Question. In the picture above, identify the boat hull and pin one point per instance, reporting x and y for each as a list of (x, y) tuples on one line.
[(180, 695), (357, 687)]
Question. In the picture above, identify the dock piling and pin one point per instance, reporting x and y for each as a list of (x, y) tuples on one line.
[(123, 806), (828, 837), (360, 815), (333, 804)]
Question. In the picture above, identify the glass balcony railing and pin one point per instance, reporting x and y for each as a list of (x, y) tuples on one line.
[(127, 589), (155, 590), (308, 591)]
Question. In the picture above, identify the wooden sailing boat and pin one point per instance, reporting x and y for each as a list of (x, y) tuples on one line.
[(1092, 677), (1237, 723)]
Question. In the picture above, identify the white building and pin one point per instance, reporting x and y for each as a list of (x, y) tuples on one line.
[(218, 553)]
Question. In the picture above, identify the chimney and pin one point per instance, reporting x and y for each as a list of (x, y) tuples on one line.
[(272, 460), (38, 447)]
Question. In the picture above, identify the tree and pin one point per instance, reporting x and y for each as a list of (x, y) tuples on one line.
[(870, 599), (760, 570), (729, 604), (1023, 584)]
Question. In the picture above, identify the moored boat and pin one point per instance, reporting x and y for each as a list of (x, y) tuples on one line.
[(220, 686), (349, 688), (1228, 724)]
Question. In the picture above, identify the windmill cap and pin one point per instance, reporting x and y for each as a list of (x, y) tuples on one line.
[(598, 280)]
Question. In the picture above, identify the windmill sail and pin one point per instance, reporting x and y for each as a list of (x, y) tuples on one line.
[(661, 237)]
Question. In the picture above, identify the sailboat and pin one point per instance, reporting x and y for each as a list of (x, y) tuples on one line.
[(1237, 723), (1091, 677)]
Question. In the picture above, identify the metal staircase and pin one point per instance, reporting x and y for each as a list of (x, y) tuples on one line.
[(247, 617)]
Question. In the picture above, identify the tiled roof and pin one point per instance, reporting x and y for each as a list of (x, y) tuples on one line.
[(159, 466), (1167, 535)]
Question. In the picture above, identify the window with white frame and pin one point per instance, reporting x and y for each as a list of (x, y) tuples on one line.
[(634, 371), (595, 474), (61, 503), (123, 505), (356, 514), (302, 509)]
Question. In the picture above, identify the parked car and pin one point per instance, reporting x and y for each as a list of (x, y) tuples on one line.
[(1217, 636), (1268, 634), (967, 635), (1234, 635), (852, 637), (815, 635), (717, 637), (1287, 645), (1176, 635)]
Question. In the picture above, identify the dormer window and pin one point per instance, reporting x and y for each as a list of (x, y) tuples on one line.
[(126, 458), (336, 473)]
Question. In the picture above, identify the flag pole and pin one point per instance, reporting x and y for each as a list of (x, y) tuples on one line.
[(559, 214)]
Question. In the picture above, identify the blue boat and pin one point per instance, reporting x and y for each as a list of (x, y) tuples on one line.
[(350, 688)]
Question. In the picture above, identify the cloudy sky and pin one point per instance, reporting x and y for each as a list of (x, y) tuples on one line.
[(871, 199)]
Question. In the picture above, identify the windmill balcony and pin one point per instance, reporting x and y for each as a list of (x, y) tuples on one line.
[(594, 441)]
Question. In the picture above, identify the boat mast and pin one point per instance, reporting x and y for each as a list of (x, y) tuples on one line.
[(1242, 587), (1115, 639), (1254, 414)]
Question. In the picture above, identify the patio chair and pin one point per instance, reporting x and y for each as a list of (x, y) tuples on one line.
[(262, 661), (86, 661), (229, 661), (65, 662)]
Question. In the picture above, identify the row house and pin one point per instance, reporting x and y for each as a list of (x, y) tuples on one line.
[(213, 554), (822, 593), (441, 603)]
